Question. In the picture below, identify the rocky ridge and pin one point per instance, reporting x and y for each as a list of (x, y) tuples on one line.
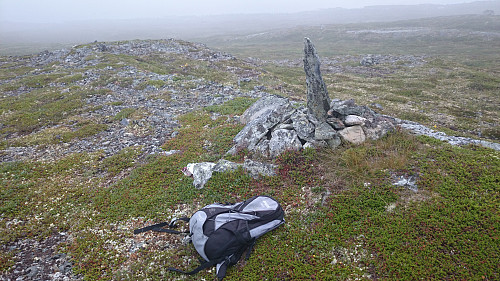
[(158, 121)]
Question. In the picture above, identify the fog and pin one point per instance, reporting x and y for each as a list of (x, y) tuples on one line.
[(36, 11), (33, 25)]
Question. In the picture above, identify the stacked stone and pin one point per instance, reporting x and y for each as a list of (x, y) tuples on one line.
[(274, 125)]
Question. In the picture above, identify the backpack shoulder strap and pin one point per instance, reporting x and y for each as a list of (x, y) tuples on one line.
[(159, 227), (151, 227)]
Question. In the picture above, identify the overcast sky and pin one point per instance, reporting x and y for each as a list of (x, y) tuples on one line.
[(67, 10)]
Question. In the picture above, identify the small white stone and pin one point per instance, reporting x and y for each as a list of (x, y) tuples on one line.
[(353, 120), (389, 208)]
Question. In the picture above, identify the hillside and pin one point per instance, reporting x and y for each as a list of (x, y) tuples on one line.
[(94, 139)]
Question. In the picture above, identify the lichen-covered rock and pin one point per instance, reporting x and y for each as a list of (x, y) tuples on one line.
[(315, 144), (262, 148), (224, 166), (318, 101), (342, 108), (283, 140), (370, 60), (335, 142), (379, 127), (262, 107), (201, 173), (325, 132), (302, 125), (257, 169), (260, 126)]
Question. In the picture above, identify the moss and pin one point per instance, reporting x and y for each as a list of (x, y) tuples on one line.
[(235, 106), (70, 78), (124, 113), (85, 131), (121, 161), (39, 108)]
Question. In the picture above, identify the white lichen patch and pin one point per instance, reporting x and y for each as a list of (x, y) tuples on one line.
[(354, 256)]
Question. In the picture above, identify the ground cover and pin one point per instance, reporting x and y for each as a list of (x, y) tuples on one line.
[(345, 218)]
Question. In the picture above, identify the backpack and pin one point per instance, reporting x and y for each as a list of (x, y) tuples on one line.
[(221, 233)]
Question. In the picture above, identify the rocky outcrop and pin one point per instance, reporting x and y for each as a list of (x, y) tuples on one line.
[(369, 60), (262, 118), (160, 105)]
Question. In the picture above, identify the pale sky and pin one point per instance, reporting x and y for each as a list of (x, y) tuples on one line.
[(42, 11)]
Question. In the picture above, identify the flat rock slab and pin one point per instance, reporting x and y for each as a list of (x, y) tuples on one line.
[(262, 107)]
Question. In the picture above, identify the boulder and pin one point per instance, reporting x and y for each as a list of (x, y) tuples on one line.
[(324, 132), (262, 148), (285, 126), (318, 101), (201, 173), (354, 134), (261, 124), (224, 166), (369, 60), (334, 142), (379, 130), (342, 108), (315, 144), (283, 140)]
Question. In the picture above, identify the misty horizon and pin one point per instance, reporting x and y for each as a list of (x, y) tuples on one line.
[(23, 37), (60, 11)]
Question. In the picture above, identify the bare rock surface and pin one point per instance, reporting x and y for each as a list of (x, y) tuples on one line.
[(419, 129), (282, 140)]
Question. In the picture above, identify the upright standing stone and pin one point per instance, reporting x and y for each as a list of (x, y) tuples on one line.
[(318, 101)]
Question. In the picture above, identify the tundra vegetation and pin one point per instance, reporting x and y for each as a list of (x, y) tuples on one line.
[(344, 217)]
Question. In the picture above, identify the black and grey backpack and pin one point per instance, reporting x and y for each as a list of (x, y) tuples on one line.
[(221, 233)]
